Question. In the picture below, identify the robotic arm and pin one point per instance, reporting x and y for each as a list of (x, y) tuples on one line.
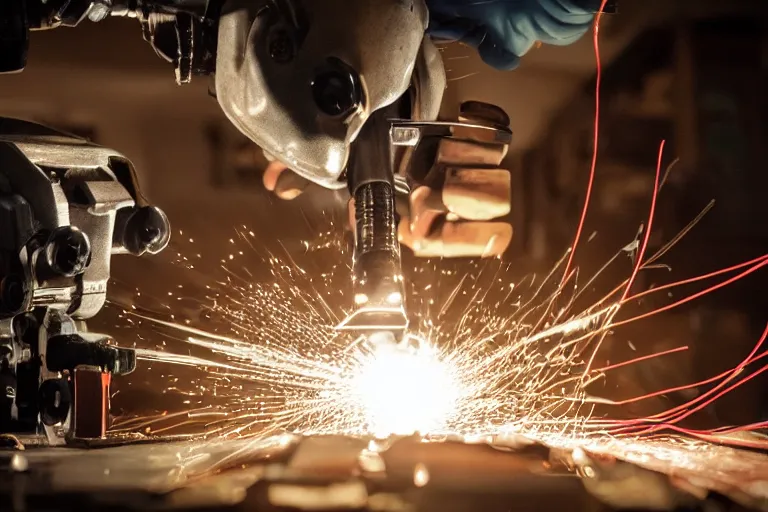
[(66, 206)]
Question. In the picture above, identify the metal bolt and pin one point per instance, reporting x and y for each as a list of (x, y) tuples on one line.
[(280, 46), (98, 12), (335, 89), (13, 292), (55, 401), (147, 230), (67, 251)]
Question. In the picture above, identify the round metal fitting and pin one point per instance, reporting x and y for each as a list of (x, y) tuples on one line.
[(68, 251), (55, 401), (336, 89), (281, 45)]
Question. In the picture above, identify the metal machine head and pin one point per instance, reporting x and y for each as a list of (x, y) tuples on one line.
[(314, 83), (66, 206), (300, 78)]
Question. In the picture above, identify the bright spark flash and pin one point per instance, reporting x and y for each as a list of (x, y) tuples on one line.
[(403, 388)]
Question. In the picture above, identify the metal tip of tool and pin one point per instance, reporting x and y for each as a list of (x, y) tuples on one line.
[(375, 319)]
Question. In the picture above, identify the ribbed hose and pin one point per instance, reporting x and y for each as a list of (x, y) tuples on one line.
[(376, 270), (377, 274), (375, 217)]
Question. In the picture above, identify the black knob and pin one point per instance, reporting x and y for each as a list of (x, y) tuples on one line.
[(147, 230), (67, 251), (55, 400), (14, 293), (336, 89), (281, 45)]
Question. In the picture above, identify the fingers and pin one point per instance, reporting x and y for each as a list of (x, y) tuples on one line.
[(432, 236), (477, 194), (471, 198), (285, 183), (272, 173), (461, 192), (457, 152), (426, 208), (457, 239)]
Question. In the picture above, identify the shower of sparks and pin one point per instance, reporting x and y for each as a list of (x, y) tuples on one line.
[(273, 361), (484, 356), (265, 358)]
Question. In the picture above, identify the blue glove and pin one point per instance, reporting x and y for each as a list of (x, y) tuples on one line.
[(502, 31)]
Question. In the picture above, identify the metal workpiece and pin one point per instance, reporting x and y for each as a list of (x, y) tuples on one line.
[(301, 79), (66, 207), (331, 473), (70, 194)]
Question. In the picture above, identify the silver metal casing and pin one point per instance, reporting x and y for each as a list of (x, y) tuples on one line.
[(383, 41)]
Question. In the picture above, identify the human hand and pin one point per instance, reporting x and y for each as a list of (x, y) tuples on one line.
[(458, 193)]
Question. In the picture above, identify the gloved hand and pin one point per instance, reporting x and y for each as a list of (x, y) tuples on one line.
[(459, 193), (502, 31)]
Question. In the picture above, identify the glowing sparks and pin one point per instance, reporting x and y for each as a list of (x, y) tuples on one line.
[(487, 357), (268, 359), (404, 388)]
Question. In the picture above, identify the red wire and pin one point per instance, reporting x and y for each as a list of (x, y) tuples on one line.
[(641, 254), (593, 167)]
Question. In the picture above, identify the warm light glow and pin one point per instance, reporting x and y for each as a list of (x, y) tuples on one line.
[(405, 388), (420, 475), (395, 298)]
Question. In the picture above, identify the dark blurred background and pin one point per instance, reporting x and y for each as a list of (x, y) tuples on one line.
[(694, 73)]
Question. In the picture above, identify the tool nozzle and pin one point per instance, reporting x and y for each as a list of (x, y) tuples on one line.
[(379, 300), (377, 276), (378, 287)]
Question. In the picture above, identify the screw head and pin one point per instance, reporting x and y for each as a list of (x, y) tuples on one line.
[(281, 46), (68, 251), (55, 401), (147, 231), (13, 293), (335, 89)]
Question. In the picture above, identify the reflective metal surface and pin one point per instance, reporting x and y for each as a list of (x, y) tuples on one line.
[(269, 94), (66, 207), (341, 473)]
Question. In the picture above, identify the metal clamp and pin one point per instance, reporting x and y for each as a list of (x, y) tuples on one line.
[(66, 206)]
